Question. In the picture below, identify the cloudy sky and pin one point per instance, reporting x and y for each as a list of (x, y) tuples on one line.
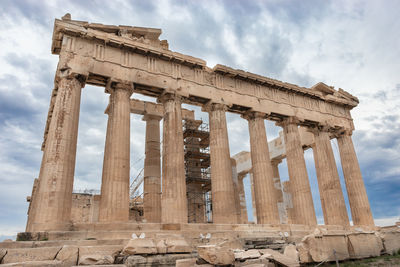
[(354, 45)]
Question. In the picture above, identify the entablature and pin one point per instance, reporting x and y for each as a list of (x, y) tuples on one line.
[(99, 53)]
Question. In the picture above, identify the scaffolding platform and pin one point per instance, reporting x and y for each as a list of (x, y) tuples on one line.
[(197, 169)]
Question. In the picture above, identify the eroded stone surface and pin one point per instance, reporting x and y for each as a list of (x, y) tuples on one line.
[(186, 262), (177, 245), (391, 241), (68, 255), (3, 252), (279, 258), (364, 245), (249, 254), (291, 252), (156, 260), (94, 255), (216, 255), (140, 246), (321, 248)]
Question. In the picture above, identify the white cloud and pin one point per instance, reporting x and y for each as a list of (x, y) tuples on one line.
[(387, 221)]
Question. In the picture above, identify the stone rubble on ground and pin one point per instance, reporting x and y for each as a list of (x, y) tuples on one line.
[(68, 255), (364, 245), (291, 252), (168, 250), (95, 255), (216, 255), (249, 254), (391, 241)]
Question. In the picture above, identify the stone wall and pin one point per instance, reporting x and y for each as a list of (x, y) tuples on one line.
[(85, 208)]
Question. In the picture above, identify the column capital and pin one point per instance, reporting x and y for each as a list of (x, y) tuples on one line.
[(114, 84), (210, 106), (71, 75), (123, 86), (67, 73), (165, 97), (288, 121), (251, 115), (321, 128), (151, 117), (342, 132), (276, 161)]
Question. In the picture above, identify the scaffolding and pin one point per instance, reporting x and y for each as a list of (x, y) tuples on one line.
[(196, 137)]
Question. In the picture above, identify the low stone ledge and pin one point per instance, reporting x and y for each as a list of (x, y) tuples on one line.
[(139, 246), (156, 260), (30, 254), (177, 245), (104, 265), (47, 263), (242, 255), (186, 262), (32, 236)]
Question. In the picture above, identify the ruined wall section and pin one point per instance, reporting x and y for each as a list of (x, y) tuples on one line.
[(85, 208)]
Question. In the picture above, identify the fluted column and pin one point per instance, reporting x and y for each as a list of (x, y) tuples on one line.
[(264, 190), (54, 193), (358, 199), (222, 188), (303, 206), (278, 191), (288, 203), (242, 200), (31, 208), (152, 171), (235, 178), (253, 198), (330, 191), (114, 201), (173, 198)]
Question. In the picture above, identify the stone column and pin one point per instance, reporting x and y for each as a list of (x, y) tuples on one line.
[(303, 207), (173, 198), (358, 199), (152, 171), (235, 179), (288, 204), (222, 188), (242, 200), (278, 191), (114, 202), (264, 190), (330, 191), (253, 198), (31, 208), (54, 193)]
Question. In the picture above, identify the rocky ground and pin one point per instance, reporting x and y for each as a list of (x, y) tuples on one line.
[(351, 248), (382, 261)]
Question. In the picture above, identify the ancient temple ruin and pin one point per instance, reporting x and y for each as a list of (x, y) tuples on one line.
[(126, 59), (193, 173)]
